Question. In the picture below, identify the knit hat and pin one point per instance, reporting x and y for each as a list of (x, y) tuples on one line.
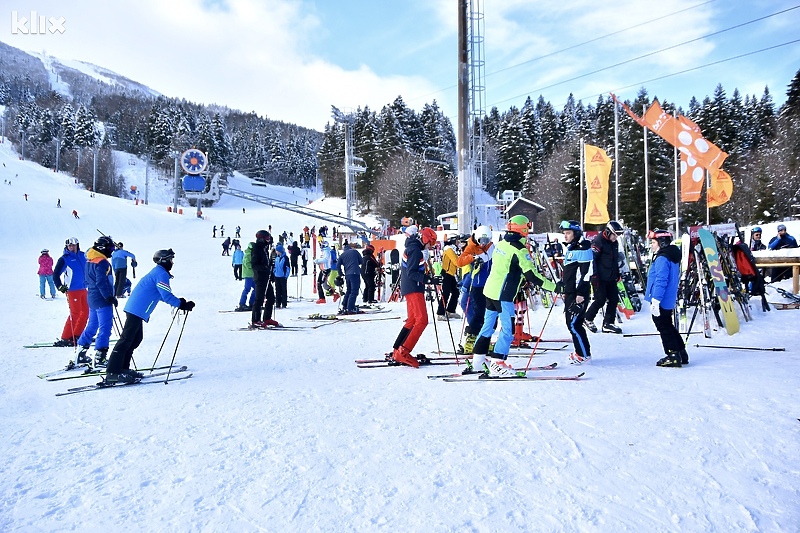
[(279, 248)]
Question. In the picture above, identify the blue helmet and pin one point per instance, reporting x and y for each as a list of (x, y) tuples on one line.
[(756, 229), (572, 225)]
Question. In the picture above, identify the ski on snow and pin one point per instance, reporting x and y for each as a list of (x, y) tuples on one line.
[(484, 378), (61, 375), (50, 344), (146, 380), (551, 366)]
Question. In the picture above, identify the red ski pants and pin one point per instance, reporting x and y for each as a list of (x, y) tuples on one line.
[(78, 314), (417, 319)]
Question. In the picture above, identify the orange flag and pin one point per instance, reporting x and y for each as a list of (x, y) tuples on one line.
[(721, 189), (692, 178), (598, 168), (685, 136), (629, 111)]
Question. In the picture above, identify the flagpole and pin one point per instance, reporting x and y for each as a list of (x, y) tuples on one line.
[(677, 177), (708, 188), (582, 165), (646, 182), (616, 161)]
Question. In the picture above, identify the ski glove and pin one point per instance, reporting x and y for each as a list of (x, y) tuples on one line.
[(186, 306), (339, 281), (134, 264), (655, 307), (559, 287), (112, 300), (482, 258), (63, 288)]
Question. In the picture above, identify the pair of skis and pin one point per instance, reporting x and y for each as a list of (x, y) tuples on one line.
[(146, 380)]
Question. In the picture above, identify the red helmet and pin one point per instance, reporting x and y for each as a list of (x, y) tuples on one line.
[(428, 236)]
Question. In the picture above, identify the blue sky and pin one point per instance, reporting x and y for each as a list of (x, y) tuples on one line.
[(290, 60)]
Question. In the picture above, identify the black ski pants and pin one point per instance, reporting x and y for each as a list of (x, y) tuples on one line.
[(670, 337), (130, 339), (120, 274), (574, 314), (605, 293), (448, 299), (369, 287)]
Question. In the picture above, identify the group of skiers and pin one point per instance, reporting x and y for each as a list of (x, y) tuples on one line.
[(93, 295), (497, 277)]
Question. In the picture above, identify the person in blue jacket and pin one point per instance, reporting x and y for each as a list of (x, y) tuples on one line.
[(101, 299), (281, 272), (778, 242), (237, 261), (662, 293), (72, 265), (151, 289), (119, 262)]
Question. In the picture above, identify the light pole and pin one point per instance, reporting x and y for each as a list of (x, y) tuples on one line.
[(94, 170), (177, 156)]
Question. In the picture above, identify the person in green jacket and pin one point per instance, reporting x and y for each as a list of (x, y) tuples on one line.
[(511, 265), (249, 285)]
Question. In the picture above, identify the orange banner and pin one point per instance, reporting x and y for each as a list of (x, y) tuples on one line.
[(598, 168), (685, 136), (721, 189), (692, 179), (629, 111)]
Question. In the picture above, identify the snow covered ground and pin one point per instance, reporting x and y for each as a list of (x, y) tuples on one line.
[(279, 431)]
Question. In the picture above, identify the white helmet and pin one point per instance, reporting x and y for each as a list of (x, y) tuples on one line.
[(483, 235)]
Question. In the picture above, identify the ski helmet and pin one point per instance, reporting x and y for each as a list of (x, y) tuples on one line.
[(428, 236), (119, 245), (614, 227), (519, 224), (262, 235), (663, 236), (45, 251), (105, 245), (483, 235), (71, 240), (164, 258), (781, 227), (756, 229), (572, 225)]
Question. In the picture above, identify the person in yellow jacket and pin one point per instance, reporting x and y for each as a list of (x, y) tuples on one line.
[(448, 298), (511, 265)]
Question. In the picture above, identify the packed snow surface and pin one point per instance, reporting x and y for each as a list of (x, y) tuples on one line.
[(279, 431)]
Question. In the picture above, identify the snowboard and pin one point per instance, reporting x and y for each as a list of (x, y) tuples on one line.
[(731, 320)]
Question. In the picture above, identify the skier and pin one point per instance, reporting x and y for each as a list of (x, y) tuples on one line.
[(222, 231), (448, 299), (294, 254), (476, 255), (281, 272), (75, 213), (350, 271), (100, 288), (604, 279), (46, 274), (152, 288), (755, 239), (238, 259), (369, 268), (578, 260), (413, 279), (214, 232), (662, 293), (249, 284), (262, 277), (511, 262), (72, 264), (324, 264), (119, 262), (334, 273), (304, 251), (226, 246), (238, 232)]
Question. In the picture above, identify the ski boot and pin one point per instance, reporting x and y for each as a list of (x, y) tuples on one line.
[(611, 328), (100, 358), (672, 360)]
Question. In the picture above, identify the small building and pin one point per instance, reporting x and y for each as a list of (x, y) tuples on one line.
[(523, 206)]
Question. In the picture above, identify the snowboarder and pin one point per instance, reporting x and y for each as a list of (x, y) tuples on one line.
[(119, 262), (72, 264), (578, 261), (604, 278), (100, 287), (46, 274), (412, 286), (511, 263), (151, 289), (662, 293)]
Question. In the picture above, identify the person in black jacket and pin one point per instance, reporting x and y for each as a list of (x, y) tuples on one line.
[(294, 253), (349, 266), (605, 277), (262, 275), (578, 260), (368, 272)]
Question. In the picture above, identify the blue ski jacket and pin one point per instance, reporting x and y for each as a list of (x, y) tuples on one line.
[(119, 258), (664, 276), (99, 279), (151, 289), (72, 265)]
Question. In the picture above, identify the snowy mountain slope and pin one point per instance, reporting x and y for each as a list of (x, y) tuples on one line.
[(279, 431)]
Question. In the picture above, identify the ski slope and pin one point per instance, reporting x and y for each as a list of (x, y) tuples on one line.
[(279, 431)]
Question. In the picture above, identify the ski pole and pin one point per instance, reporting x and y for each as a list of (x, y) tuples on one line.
[(655, 333), (449, 327), (539, 337), (430, 298), (754, 348), (169, 370), (165, 339)]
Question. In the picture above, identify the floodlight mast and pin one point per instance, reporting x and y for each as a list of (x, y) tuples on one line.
[(352, 165)]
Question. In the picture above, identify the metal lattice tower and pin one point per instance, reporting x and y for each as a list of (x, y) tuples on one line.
[(352, 165), (477, 92)]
